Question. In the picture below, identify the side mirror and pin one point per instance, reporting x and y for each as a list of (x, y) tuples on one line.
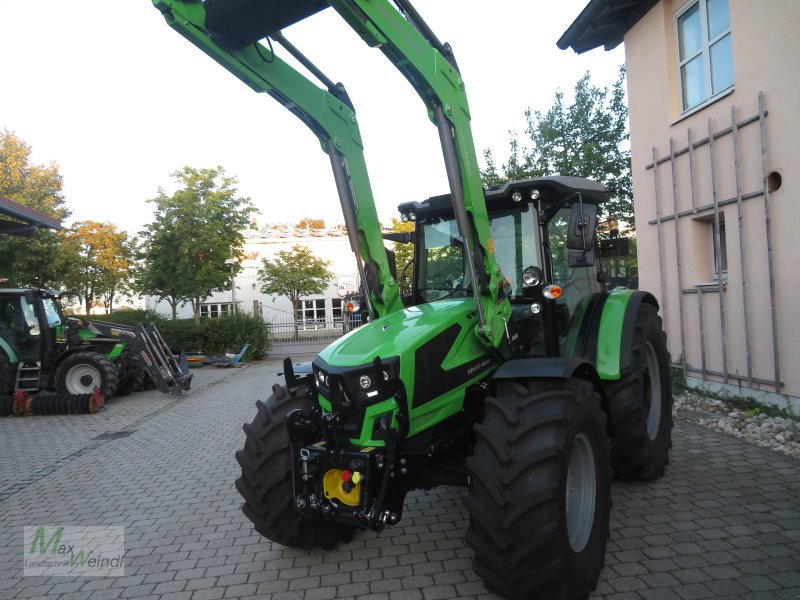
[(582, 225)]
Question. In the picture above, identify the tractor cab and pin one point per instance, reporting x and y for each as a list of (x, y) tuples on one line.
[(542, 230), (30, 322)]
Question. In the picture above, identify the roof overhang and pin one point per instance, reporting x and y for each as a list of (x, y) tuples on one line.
[(603, 23), (18, 219)]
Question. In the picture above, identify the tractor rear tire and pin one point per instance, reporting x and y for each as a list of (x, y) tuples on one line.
[(82, 372), (540, 496), (6, 379), (266, 482), (640, 404)]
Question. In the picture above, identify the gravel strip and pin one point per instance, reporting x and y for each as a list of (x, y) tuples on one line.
[(776, 433)]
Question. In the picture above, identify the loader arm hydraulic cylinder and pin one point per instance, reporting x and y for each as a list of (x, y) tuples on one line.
[(329, 115)]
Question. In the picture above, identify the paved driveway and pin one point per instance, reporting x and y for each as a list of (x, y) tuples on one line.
[(723, 523)]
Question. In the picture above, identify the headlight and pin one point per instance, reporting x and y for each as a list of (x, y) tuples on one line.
[(532, 276), (351, 388), (517, 196)]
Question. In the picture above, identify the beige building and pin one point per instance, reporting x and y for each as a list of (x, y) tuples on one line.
[(713, 89)]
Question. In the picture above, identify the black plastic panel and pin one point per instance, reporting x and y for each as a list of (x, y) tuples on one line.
[(239, 23)]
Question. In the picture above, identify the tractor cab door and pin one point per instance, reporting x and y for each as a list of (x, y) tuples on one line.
[(20, 327), (576, 282)]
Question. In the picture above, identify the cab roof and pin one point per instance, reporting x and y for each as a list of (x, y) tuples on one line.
[(551, 189)]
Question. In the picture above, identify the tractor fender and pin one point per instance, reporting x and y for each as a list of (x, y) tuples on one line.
[(616, 330), (558, 367), (76, 350), (6, 347)]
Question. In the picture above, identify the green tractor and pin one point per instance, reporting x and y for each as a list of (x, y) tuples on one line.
[(507, 368), (42, 349)]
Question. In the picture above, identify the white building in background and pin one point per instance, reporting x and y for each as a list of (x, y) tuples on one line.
[(332, 245)]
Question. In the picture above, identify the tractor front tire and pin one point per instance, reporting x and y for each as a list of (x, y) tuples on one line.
[(266, 481), (640, 404), (134, 380), (82, 372), (6, 378), (539, 496)]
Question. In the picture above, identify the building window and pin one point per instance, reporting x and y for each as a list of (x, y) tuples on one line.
[(218, 309), (336, 305), (311, 314), (720, 253), (705, 55)]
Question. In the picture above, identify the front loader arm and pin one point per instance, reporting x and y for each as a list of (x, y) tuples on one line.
[(431, 69), (330, 116)]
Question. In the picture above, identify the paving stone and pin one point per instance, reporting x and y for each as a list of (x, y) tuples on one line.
[(723, 522)]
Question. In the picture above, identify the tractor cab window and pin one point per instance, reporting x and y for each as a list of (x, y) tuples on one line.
[(51, 313), (577, 282), (442, 267), (31, 322), (515, 234)]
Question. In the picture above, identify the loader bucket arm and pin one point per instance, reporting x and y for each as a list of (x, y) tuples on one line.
[(327, 112), (430, 67)]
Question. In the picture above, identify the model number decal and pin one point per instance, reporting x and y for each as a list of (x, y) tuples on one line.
[(479, 366)]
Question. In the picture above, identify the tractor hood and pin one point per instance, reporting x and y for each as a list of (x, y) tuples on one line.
[(403, 331), (431, 350)]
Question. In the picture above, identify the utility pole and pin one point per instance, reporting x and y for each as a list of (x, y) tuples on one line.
[(231, 262)]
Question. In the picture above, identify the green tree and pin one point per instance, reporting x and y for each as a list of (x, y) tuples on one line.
[(36, 261), (588, 138), (294, 273), (101, 264), (183, 251), (404, 253)]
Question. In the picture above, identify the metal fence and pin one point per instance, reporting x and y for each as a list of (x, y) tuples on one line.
[(310, 331)]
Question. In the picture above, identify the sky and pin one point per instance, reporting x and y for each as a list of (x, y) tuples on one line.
[(118, 100)]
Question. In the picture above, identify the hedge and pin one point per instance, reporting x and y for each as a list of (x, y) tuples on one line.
[(212, 336)]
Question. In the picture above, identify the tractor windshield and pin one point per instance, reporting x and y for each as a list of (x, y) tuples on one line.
[(443, 272), (515, 234), (442, 266)]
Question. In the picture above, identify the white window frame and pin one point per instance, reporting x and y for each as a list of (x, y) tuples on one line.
[(214, 310), (705, 51), (719, 255), (336, 310), (311, 314)]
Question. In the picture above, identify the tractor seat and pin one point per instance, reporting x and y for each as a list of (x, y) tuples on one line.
[(239, 23)]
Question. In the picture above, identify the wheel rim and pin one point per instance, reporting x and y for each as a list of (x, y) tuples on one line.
[(581, 493), (82, 379), (652, 391)]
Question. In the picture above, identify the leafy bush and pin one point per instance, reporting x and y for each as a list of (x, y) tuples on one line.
[(130, 317), (679, 385), (212, 336)]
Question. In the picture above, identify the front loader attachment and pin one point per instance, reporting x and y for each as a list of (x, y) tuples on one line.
[(168, 371)]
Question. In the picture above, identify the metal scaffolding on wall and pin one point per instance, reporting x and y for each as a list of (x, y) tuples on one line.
[(697, 290)]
